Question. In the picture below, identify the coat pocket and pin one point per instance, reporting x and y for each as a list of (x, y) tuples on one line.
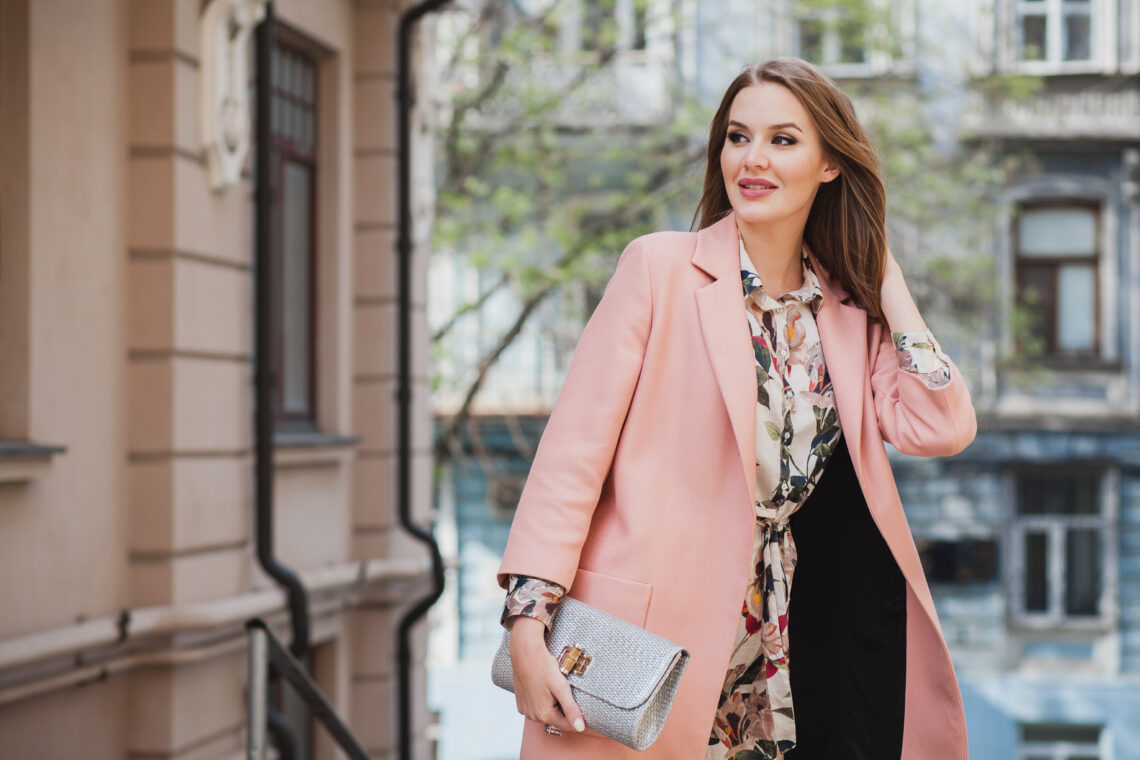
[(621, 597)]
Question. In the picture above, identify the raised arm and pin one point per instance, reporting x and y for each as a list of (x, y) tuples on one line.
[(921, 399)]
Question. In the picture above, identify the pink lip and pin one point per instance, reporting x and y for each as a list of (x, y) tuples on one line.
[(767, 188)]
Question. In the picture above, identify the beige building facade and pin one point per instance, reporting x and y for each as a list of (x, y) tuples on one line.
[(127, 546)]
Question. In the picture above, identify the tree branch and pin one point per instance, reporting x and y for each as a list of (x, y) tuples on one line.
[(457, 166), (450, 432), (467, 308), (624, 214)]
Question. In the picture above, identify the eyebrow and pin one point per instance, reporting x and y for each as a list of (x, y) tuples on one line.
[(773, 128)]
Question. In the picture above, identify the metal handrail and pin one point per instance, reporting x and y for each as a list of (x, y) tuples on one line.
[(265, 651)]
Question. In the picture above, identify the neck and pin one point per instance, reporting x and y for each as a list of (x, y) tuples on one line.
[(775, 253)]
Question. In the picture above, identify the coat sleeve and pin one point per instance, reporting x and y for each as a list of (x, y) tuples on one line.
[(577, 447), (913, 417)]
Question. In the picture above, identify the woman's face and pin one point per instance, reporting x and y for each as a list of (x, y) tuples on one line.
[(772, 159)]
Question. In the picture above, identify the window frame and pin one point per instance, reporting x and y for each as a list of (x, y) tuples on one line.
[(286, 151), (1054, 618), (631, 21), (1103, 15), (1053, 354), (877, 60), (830, 42)]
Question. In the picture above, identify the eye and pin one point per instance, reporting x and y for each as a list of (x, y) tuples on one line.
[(736, 138), (783, 140)]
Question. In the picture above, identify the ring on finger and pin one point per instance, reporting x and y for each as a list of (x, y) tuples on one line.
[(553, 730)]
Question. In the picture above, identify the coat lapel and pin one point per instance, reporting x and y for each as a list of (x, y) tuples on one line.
[(724, 326), (843, 334)]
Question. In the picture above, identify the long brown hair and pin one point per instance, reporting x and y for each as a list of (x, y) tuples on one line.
[(846, 227)]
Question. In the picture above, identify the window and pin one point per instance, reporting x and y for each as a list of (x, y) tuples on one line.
[(598, 28), (294, 104), (1057, 251), (832, 35), (1059, 741), (640, 24), (1059, 542), (1053, 30), (966, 560), (606, 24)]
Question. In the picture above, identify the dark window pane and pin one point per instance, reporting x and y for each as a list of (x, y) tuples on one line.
[(1054, 732), (852, 41), (963, 561), (308, 138), (1032, 38), (292, 70), (1037, 292), (1036, 572), (296, 301), (811, 39), (640, 23), (275, 67), (307, 84), (275, 122), (1077, 37), (597, 24), (298, 124), (1049, 493), (1082, 571)]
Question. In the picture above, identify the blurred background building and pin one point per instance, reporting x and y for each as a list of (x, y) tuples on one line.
[(127, 238), (1010, 133)]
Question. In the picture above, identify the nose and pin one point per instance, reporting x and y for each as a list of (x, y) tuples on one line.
[(757, 156)]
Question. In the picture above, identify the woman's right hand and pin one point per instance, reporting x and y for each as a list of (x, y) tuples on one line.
[(542, 693)]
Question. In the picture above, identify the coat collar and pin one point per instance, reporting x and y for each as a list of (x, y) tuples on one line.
[(724, 325)]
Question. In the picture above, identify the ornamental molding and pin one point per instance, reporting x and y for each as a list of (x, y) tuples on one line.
[(224, 108)]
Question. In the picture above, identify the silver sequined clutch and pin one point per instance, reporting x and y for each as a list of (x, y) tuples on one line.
[(623, 677)]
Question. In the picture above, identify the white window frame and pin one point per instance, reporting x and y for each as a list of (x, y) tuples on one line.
[(1054, 619), (1103, 48), (877, 61), (1060, 750), (572, 28)]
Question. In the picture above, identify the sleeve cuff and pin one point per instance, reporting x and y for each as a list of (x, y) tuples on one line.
[(919, 354), (532, 597)]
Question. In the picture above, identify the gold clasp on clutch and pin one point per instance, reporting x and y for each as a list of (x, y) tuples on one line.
[(573, 660)]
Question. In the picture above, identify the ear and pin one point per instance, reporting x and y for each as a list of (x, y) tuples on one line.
[(830, 171)]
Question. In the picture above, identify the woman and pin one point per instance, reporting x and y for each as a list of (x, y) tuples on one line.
[(721, 431)]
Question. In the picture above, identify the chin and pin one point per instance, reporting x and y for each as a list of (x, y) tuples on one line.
[(752, 214)]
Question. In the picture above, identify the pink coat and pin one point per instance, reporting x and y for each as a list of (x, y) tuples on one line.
[(640, 497)]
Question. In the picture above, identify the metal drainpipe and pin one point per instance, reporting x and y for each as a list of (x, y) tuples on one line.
[(265, 368), (406, 98)]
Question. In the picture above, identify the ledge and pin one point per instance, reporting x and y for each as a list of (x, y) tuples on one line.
[(93, 649), (21, 461), (308, 448)]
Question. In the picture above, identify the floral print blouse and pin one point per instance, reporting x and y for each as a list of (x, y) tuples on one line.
[(797, 426)]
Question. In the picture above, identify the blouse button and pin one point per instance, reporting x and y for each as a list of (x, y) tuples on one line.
[(788, 393)]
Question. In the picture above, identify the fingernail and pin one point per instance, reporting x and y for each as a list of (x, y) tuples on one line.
[(579, 725)]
